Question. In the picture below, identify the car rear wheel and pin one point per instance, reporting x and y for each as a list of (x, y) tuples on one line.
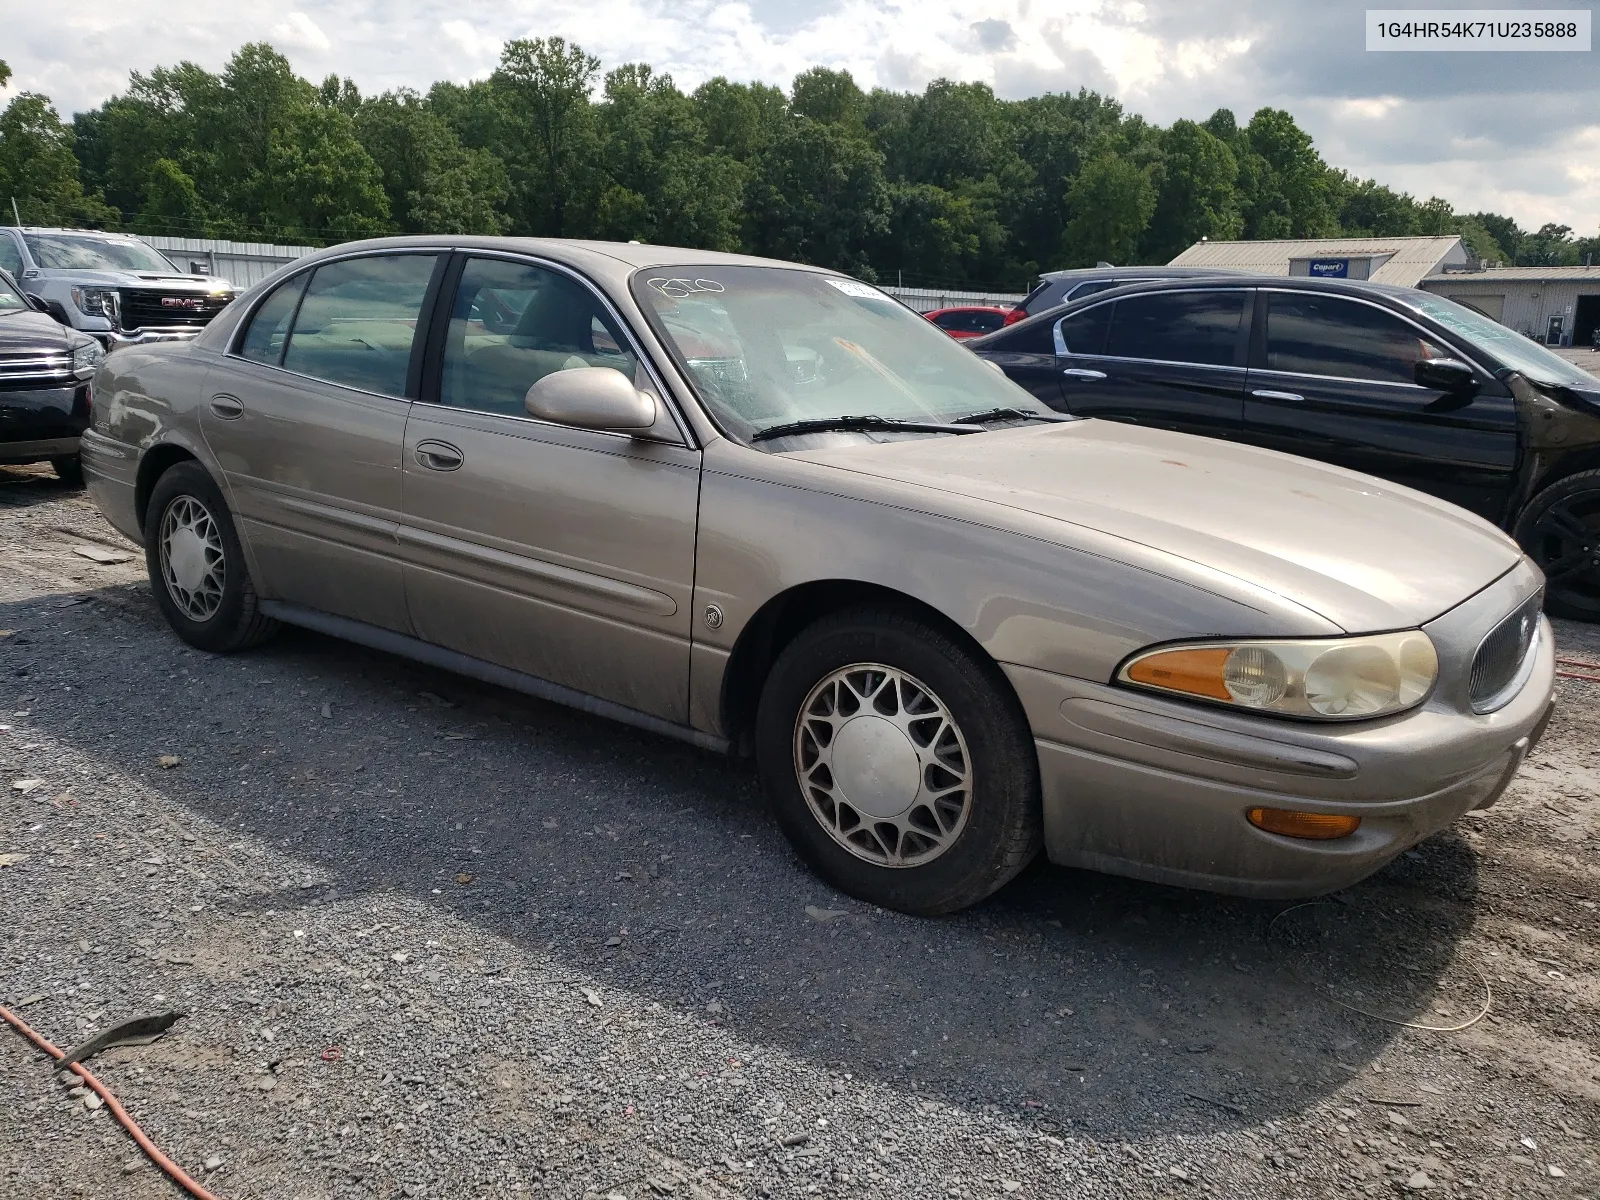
[(898, 762), (197, 568), (68, 469), (1560, 530)]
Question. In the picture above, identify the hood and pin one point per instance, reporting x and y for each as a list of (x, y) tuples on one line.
[(1363, 554), (28, 332), (175, 281)]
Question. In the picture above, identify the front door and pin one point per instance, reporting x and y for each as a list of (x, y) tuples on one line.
[(564, 553), (1168, 360), (307, 416), (1332, 378)]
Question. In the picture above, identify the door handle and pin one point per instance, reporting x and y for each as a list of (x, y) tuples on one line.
[(229, 408), (1292, 397), (1083, 373), (439, 456)]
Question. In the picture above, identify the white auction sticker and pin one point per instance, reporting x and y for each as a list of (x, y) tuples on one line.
[(1515, 29), (854, 287)]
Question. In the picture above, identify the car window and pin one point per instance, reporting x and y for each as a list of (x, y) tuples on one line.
[(1181, 327), (1085, 332), (10, 257), (950, 320), (10, 299), (269, 329), (87, 252), (1314, 334), (358, 320), (986, 322), (1037, 337), (1506, 346), (511, 324), (1046, 295)]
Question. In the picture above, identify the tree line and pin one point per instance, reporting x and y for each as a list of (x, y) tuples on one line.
[(950, 187)]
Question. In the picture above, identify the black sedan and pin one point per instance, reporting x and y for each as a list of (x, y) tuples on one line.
[(1389, 381), (44, 385)]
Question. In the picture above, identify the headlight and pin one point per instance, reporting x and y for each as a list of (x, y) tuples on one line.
[(86, 358), (96, 302), (1345, 679)]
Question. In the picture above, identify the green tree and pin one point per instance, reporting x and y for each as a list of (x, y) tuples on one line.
[(38, 170), (324, 185), (1196, 194), (172, 204), (1550, 245), (543, 86), (740, 119), (432, 182), (1291, 191), (818, 196), (1108, 205), (829, 97)]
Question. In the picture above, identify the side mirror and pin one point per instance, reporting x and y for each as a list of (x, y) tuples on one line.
[(37, 303), (591, 398), (1444, 374)]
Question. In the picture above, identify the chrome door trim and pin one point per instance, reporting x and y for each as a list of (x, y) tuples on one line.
[(327, 512), (645, 600), (1264, 394), (417, 650), (1083, 373)]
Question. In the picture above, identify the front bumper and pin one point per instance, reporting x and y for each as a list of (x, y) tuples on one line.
[(1135, 784), (37, 423)]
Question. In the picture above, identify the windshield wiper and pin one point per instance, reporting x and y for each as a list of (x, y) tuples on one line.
[(1010, 414), (862, 424)]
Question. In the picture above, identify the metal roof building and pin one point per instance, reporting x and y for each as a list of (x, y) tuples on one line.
[(1559, 306), (1405, 261)]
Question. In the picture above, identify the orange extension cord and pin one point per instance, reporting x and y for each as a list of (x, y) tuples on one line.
[(121, 1114), (1578, 662)]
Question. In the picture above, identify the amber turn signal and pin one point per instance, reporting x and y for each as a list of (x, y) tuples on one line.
[(1196, 670), (1322, 826)]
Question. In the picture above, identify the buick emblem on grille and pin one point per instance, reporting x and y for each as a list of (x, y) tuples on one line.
[(181, 302)]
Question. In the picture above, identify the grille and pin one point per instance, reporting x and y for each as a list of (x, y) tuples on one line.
[(1498, 662), (147, 308), (36, 368)]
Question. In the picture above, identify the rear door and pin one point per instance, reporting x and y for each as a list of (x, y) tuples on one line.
[(1027, 354), (307, 415), (1169, 360), (563, 553), (1332, 379)]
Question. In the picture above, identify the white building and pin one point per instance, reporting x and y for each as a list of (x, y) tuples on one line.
[(1405, 261)]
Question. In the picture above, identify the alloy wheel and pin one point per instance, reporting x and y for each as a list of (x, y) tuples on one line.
[(1566, 545), (883, 765), (193, 563)]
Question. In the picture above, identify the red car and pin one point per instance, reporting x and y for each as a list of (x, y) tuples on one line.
[(969, 321)]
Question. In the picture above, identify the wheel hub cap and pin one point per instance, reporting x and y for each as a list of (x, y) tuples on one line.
[(883, 765), (875, 766), (192, 560)]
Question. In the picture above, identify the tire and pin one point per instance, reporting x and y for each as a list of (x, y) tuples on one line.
[(1560, 530), (69, 469), (950, 750), (222, 612)]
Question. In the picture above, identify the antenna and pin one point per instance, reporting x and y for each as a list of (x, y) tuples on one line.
[(15, 215)]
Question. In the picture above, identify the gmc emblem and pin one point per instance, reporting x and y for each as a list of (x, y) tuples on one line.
[(181, 302)]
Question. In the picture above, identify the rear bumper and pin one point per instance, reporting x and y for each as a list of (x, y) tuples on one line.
[(1137, 785), (110, 473)]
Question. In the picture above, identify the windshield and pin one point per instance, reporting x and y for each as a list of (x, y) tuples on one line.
[(1504, 345), (77, 252), (767, 346), (10, 299)]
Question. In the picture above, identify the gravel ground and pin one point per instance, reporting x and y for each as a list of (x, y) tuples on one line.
[(436, 939)]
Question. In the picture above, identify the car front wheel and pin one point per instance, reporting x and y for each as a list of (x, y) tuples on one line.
[(898, 762), (197, 568), (1560, 530)]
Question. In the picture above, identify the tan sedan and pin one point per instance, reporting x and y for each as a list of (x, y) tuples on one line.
[(767, 509)]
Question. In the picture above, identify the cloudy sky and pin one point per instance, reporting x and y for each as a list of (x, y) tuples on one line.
[(1515, 133)]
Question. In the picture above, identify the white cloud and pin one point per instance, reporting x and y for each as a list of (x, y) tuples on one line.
[(298, 31), (1489, 133)]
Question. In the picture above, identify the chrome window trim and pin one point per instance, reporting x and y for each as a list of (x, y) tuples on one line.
[(1479, 375), (1388, 383), (1061, 342)]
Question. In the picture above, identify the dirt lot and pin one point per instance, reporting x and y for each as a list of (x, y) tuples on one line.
[(435, 939)]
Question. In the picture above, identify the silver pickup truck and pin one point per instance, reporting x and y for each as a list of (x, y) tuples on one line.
[(111, 286)]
